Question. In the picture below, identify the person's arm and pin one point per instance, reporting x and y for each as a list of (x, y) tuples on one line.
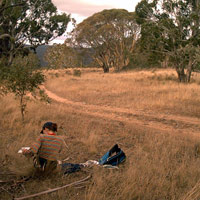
[(27, 152), (35, 147)]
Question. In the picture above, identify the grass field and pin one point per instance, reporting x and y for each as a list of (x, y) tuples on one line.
[(153, 118)]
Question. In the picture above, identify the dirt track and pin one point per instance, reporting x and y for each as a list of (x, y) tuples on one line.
[(156, 121)]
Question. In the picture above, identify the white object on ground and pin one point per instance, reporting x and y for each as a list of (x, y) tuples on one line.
[(110, 167), (21, 150), (90, 163), (59, 162)]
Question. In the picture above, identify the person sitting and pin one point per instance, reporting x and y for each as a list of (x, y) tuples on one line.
[(46, 148)]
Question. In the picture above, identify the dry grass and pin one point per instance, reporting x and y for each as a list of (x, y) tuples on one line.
[(161, 163), (143, 90)]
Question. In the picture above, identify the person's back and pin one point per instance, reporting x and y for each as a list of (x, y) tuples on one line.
[(46, 148)]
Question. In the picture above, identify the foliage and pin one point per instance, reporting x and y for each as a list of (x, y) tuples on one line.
[(23, 79), (61, 56), (170, 30), (111, 34), (28, 22)]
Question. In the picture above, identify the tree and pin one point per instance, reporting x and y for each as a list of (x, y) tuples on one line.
[(33, 22), (61, 56), (24, 25), (22, 79), (170, 30), (111, 34)]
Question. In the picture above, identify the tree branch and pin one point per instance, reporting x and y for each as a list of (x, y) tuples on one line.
[(11, 6), (5, 35), (55, 189)]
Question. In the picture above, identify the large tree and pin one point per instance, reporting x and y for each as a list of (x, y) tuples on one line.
[(170, 29), (111, 34), (28, 22)]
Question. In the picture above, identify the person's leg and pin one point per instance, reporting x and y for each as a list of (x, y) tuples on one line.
[(42, 162), (50, 166)]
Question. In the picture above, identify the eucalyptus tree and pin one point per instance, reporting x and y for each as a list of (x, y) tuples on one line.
[(111, 34), (32, 22), (170, 29)]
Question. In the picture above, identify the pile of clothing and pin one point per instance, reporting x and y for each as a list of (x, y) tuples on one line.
[(110, 159)]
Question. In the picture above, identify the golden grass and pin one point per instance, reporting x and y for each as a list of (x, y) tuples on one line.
[(144, 90), (161, 163)]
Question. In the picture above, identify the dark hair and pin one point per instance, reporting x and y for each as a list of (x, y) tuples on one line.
[(54, 127), (50, 125)]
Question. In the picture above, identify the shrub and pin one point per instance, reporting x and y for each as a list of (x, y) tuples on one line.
[(77, 72), (21, 79)]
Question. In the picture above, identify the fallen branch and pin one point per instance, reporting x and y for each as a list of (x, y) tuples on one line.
[(66, 159), (194, 193), (6, 181), (6, 190), (53, 190), (65, 143), (24, 179), (80, 187), (7, 174)]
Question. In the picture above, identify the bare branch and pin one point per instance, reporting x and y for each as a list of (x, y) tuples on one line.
[(5, 35), (55, 189), (11, 6)]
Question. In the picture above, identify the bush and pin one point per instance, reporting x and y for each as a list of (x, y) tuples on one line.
[(77, 72), (22, 78)]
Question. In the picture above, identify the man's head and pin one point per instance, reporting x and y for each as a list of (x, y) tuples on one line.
[(50, 126)]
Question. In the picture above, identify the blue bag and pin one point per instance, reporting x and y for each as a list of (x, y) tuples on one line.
[(113, 157)]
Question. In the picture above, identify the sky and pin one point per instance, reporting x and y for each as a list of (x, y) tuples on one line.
[(81, 9)]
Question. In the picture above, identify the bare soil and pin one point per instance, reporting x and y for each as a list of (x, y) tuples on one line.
[(152, 120)]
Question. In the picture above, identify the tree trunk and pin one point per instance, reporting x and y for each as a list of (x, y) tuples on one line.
[(181, 74), (189, 71), (165, 62), (188, 75), (105, 68), (22, 106), (102, 62)]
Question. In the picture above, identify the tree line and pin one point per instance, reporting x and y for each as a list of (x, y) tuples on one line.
[(159, 33)]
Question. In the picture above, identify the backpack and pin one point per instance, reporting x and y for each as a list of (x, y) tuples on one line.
[(113, 157)]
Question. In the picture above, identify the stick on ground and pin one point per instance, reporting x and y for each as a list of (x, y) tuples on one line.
[(53, 190)]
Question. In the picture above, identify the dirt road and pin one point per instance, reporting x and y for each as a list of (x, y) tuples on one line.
[(152, 120)]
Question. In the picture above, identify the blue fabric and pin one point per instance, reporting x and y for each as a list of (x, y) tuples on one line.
[(113, 157), (104, 158), (68, 168)]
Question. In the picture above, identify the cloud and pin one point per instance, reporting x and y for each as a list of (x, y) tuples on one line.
[(78, 7)]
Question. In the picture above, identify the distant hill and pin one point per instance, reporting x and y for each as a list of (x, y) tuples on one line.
[(40, 51), (86, 55)]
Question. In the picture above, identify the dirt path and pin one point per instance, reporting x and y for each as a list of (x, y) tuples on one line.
[(151, 120)]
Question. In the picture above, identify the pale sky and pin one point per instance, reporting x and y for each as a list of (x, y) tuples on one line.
[(81, 9)]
